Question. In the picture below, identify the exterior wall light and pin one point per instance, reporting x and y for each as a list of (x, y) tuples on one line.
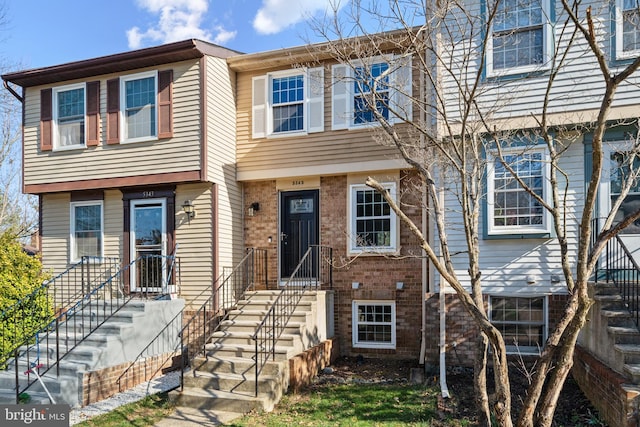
[(253, 208), (189, 209)]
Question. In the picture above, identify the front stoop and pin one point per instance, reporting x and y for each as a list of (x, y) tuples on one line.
[(225, 379)]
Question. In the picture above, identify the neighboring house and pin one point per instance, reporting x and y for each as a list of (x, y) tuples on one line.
[(115, 146)]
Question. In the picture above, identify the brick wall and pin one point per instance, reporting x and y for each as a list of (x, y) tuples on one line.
[(377, 275), (617, 402), (104, 383), (304, 367)]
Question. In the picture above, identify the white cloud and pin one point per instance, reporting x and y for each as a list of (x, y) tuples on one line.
[(276, 15), (177, 20)]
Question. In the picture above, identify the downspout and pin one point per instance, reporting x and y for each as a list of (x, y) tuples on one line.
[(425, 231)]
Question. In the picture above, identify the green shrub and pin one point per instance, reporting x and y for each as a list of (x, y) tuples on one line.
[(24, 304)]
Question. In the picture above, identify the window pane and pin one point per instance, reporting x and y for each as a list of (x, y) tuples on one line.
[(630, 26), (518, 34), (374, 323), (371, 86), (140, 108), (70, 109), (520, 320), (287, 95), (87, 231)]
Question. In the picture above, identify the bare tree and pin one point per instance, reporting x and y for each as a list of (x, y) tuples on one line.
[(463, 126)]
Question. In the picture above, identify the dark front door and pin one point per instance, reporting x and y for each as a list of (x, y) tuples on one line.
[(298, 227)]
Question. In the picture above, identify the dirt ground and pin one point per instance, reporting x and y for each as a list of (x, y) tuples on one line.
[(573, 408)]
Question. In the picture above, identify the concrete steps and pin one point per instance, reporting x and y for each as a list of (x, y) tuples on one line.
[(225, 378)]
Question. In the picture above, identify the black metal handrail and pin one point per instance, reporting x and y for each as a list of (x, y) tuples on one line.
[(36, 310), (227, 291), (43, 351), (313, 271)]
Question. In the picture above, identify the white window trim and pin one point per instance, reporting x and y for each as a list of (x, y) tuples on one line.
[(124, 139), (394, 227), (604, 190), (354, 324), (305, 103), (342, 91), (619, 17), (72, 227), (55, 136), (511, 349), (547, 48), (545, 227)]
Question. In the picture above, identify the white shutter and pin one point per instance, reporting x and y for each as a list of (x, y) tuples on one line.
[(401, 100), (259, 107), (315, 101), (340, 98)]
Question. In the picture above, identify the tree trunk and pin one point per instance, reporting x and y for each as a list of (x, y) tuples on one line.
[(480, 380)]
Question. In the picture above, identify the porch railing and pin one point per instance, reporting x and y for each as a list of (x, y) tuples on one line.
[(227, 291), (618, 266), (50, 344), (313, 271), (23, 319)]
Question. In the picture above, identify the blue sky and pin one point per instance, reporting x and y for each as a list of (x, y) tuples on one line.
[(40, 33)]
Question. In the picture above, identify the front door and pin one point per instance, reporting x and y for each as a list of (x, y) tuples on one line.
[(298, 227), (148, 244)]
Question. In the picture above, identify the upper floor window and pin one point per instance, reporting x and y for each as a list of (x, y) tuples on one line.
[(373, 222), (512, 209), (519, 35), (381, 84), (139, 107), (288, 103), (622, 168), (69, 117), (627, 28)]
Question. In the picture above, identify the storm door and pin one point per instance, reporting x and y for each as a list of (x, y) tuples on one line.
[(299, 229), (148, 245)]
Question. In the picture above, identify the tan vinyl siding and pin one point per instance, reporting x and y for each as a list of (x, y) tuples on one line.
[(195, 243), (328, 148), (120, 160), (221, 155), (113, 220)]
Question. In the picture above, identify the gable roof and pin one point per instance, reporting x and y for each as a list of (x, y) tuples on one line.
[(148, 57)]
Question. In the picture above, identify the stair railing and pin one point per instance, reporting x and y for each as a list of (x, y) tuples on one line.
[(34, 311), (44, 350), (313, 271), (227, 290)]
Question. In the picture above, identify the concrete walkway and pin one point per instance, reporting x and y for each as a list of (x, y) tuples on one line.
[(190, 417)]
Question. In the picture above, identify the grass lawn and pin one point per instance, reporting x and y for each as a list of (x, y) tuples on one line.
[(354, 405)]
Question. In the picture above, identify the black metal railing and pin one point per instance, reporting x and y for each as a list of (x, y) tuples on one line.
[(312, 272), (226, 292), (27, 316), (50, 344)]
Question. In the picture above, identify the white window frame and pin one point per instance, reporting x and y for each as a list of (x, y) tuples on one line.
[(393, 230), (343, 93), (547, 46), (619, 34), (356, 343), (123, 106), (56, 135), (518, 349), (72, 235), (304, 102), (543, 228)]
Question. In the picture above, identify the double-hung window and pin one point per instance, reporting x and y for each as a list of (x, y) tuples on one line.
[(69, 117), (522, 322), (373, 324), (380, 84), (512, 205), (627, 34), (287, 103), (86, 229), (519, 36), (138, 105), (373, 225), (370, 93)]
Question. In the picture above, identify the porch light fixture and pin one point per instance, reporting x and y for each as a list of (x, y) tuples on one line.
[(189, 209), (253, 208)]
